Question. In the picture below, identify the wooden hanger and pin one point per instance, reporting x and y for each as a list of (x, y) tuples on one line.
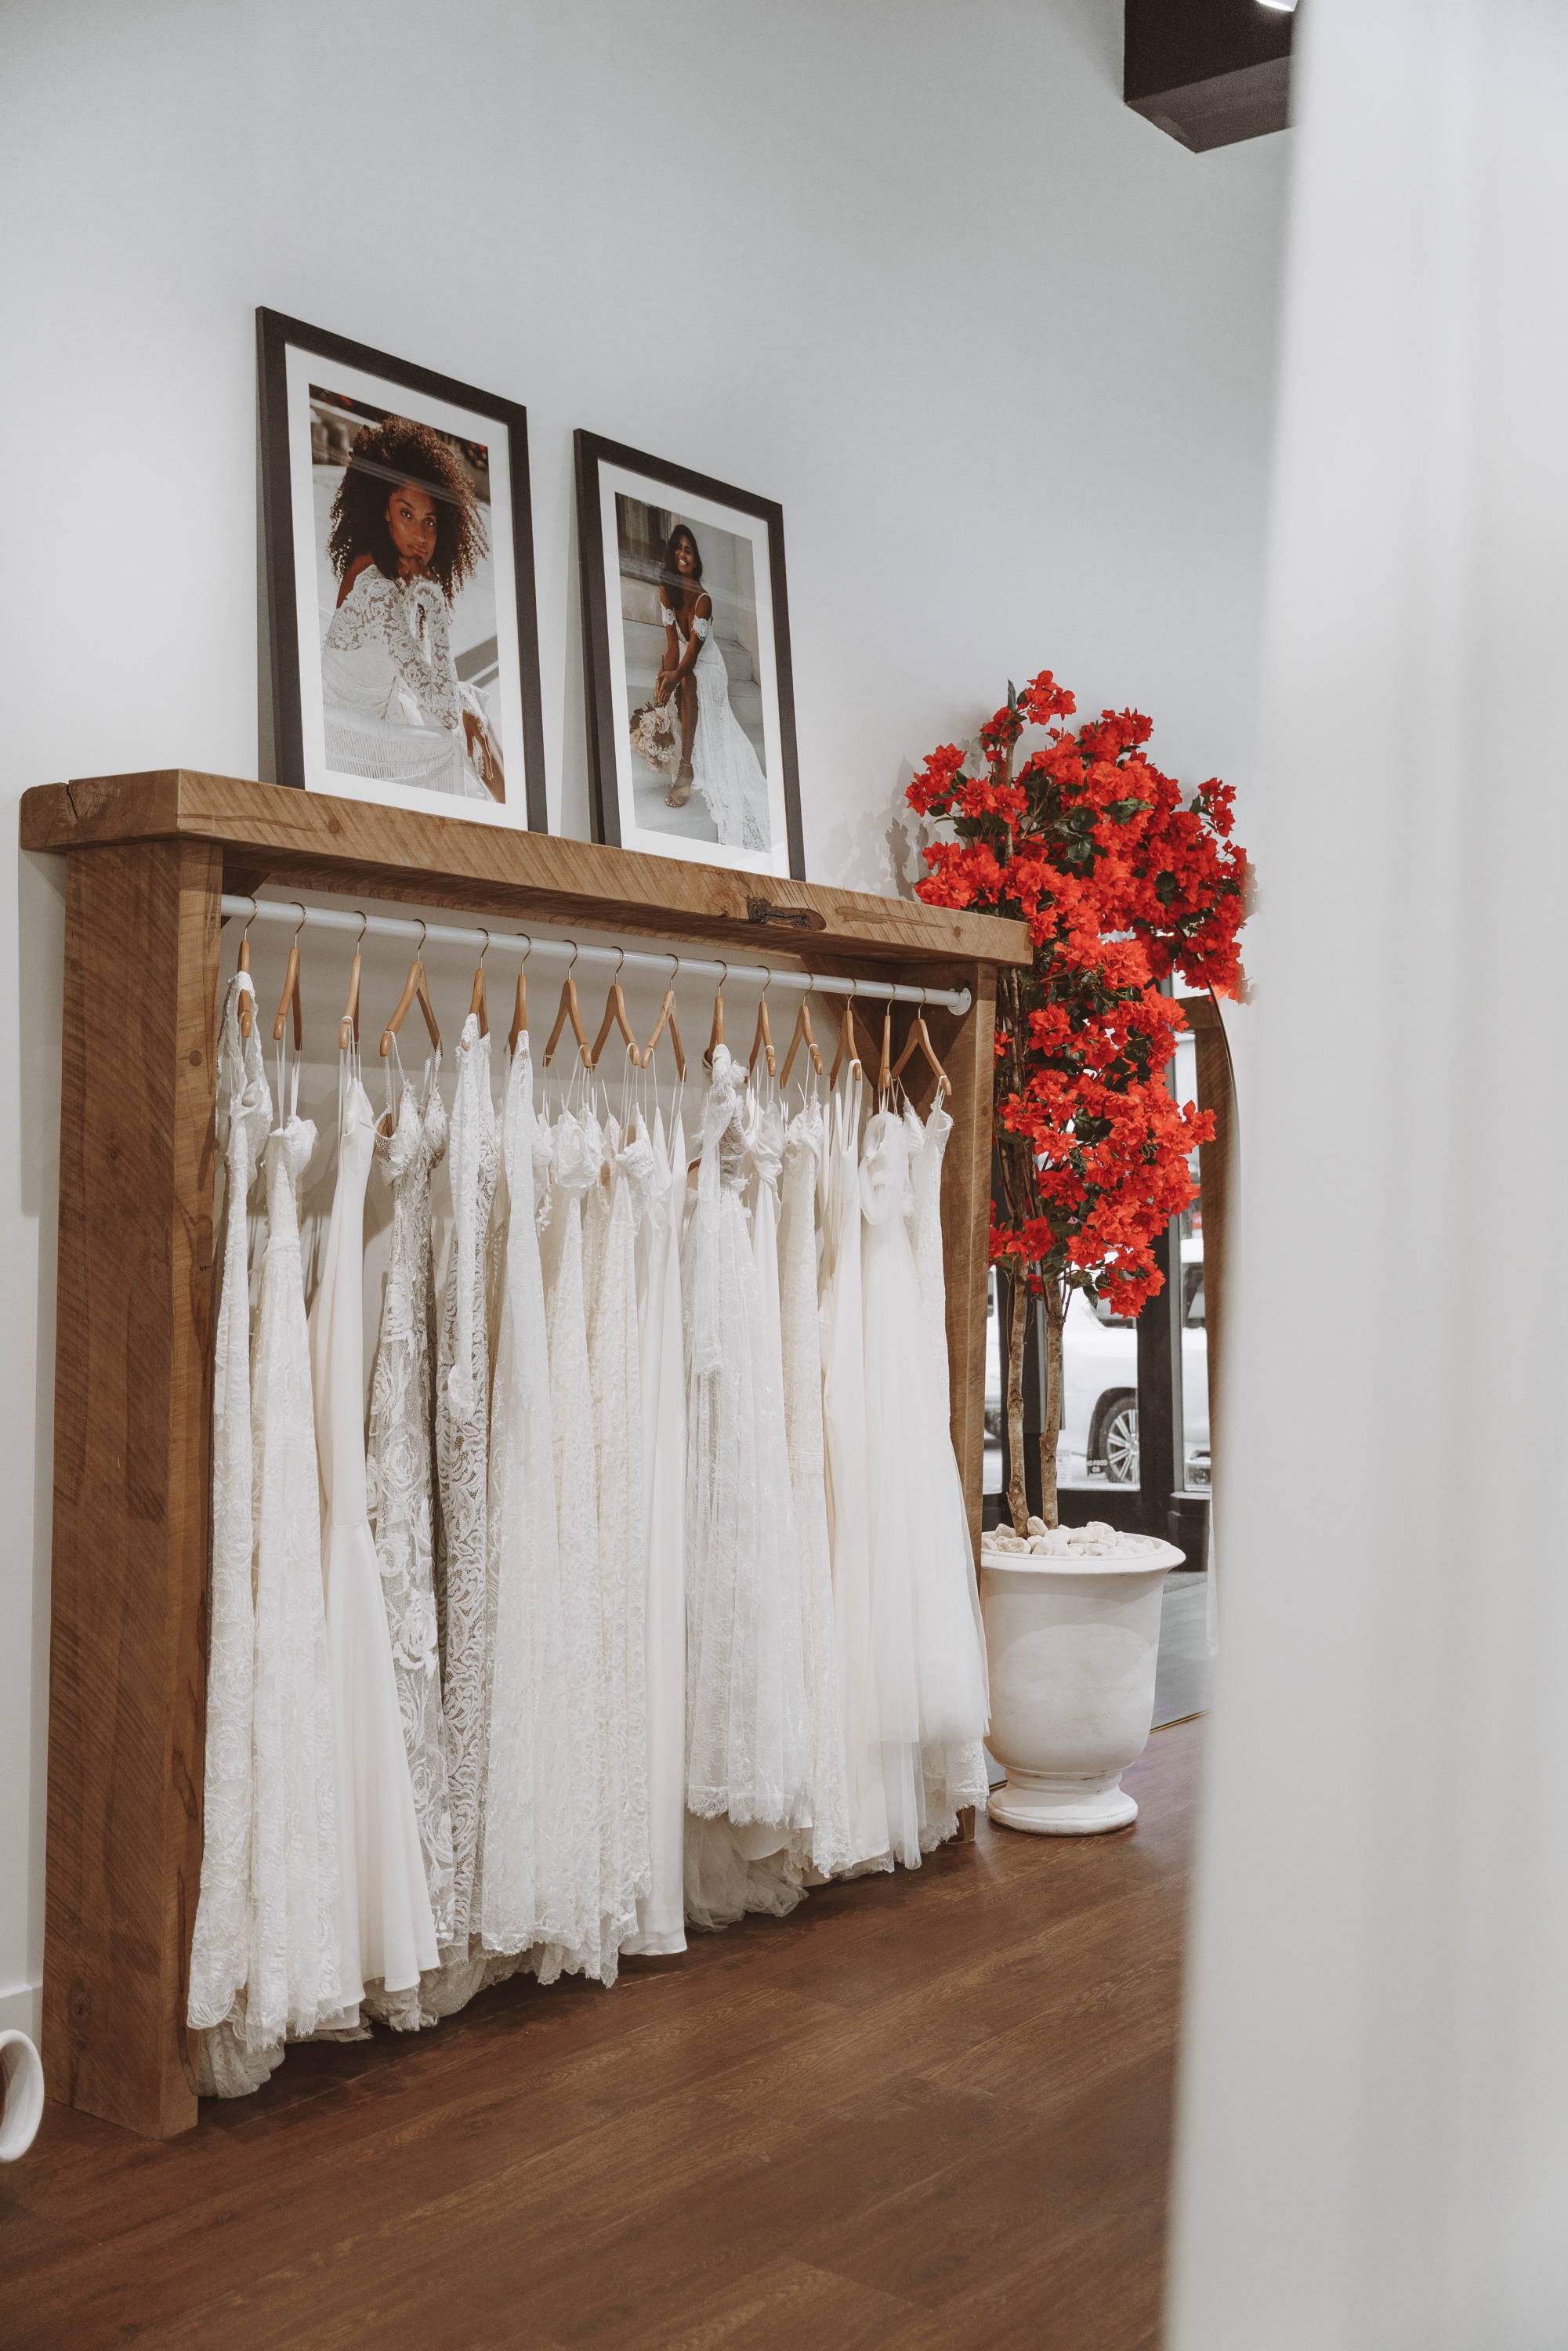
[(520, 1008), (847, 1040), (614, 1017), (570, 1011), (919, 1040), (349, 1026), (666, 1019), (291, 992), (477, 1000), (715, 1034), (247, 1000), (415, 990), (762, 1037), (801, 1035)]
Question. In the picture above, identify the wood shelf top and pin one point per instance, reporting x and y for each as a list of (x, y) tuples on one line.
[(360, 847)]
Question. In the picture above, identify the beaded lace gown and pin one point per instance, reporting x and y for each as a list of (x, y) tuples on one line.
[(410, 1144), (802, 1350), (845, 1460), (389, 1935), (725, 772), (220, 1949), (574, 1165), (748, 1736), (296, 1982), (462, 1423), (928, 1647)]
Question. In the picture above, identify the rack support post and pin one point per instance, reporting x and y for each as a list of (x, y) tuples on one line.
[(133, 1378)]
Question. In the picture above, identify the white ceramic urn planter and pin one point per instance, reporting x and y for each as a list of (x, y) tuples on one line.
[(1072, 1643)]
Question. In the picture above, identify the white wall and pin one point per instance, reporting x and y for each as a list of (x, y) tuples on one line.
[(1003, 351)]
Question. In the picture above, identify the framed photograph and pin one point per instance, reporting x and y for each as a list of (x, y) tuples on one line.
[(399, 577), (686, 632)]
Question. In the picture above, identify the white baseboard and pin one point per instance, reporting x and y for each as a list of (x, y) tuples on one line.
[(22, 2009)]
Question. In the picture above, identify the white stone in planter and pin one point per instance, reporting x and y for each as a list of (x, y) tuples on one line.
[(1072, 1633)]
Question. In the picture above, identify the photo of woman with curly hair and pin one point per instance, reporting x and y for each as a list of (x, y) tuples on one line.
[(411, 640)]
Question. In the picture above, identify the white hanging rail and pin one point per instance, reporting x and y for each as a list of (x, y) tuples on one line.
[(392, 926)]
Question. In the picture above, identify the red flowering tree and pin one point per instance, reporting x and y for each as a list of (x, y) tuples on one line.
[(1122, 880)]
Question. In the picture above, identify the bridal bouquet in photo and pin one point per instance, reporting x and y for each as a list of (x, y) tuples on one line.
[(656, 735)]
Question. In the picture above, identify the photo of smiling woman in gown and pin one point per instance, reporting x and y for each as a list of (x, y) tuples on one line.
[(407, 529), (717, 758)]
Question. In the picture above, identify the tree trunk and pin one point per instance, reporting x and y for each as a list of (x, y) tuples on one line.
[(1017, 1324), (1055, 1316)]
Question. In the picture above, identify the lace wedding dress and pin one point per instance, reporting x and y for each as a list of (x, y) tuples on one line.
[(661, 1916), (220, 1948), (928, 1647), (725, 771), (614, 1371), (748, 1735), (394, 702), (410, 1144), (574, 1165), (953, 1777), (389, 1935), (845, 1460), (462, 1422), (802, 1350), (295, 1981)]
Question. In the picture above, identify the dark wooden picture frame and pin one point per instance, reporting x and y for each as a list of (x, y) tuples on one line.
[(606, 753), (277, 335)]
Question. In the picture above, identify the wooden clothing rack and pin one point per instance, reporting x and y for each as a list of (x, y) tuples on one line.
[(148, 858)]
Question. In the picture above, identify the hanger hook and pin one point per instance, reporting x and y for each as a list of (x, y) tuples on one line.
[(769, 981), (424, 935), (527, 944), (486, 948), (674, 970), (249, 919), (576, 951), (300, 926), (619, 963), (364, 926), (723, 971), (855, 990)]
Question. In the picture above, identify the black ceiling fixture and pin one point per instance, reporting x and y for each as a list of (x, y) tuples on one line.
[(1209, 72)]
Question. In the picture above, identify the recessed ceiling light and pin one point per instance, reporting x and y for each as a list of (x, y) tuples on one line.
[(1285, 7)]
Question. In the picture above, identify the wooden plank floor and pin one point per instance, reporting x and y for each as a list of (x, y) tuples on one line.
[(930, 2111)]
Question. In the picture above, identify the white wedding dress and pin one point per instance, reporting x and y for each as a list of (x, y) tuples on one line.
[(830, 1846), (661, 1914), (844, 1462), (296, 1982), (400, 1468), (617, 1206), (392, 702), (927, 1641), (953, 1777), (725, 771), (220, 1948), (533, 1819), (747, 1737), (573, 1163), (462, 1423), (389, 1935)]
